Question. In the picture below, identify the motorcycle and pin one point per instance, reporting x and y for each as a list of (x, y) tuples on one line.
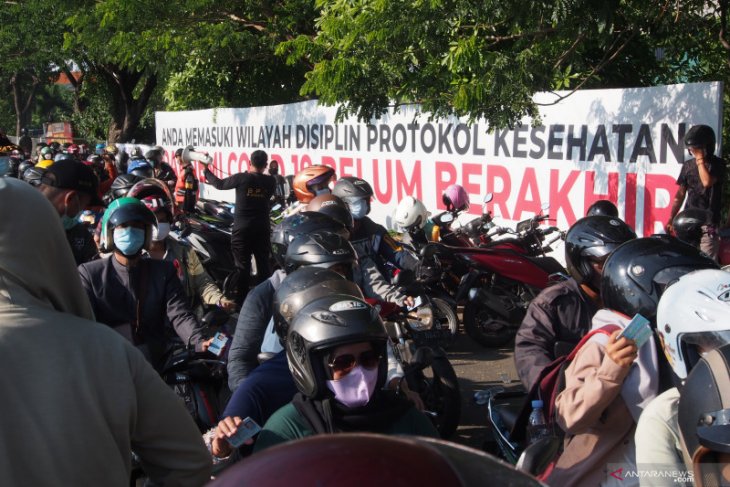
[(199, 378), (497, 282), (427, 370), (503, 409)]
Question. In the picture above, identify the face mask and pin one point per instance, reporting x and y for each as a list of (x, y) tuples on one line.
[(129, 240), (67, 221), (323, 191), (273, 171), (356, 388), (359, 209), (160, 232), (4, 166)]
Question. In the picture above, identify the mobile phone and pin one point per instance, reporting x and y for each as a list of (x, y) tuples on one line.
[(218, 344), (637, 330), (247, 429)]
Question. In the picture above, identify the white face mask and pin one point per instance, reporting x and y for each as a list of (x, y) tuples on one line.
[(160, 232)]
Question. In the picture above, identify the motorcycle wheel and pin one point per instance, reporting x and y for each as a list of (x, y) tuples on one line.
[(484, 328), (439, 389), (447, 319)]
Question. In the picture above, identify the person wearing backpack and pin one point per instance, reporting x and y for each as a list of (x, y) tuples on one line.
[(560, 315), (611, 381)]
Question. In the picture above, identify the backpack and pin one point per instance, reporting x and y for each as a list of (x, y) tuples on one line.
[(549, 384)]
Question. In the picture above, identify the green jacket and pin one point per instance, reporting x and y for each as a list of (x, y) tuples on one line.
[(287, 424), (199, 286)]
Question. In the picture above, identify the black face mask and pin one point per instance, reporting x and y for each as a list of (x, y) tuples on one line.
[(274, 171)]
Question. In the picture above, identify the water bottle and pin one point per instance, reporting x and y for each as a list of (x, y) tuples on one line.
[(537, 426)]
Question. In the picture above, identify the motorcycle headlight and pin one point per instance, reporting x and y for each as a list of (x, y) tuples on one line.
[(421, 318)]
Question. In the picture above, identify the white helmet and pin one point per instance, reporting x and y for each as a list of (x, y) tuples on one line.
[(410, 213), (693, 316)]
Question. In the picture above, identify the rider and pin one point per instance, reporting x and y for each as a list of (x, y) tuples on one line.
[(140, 298), (71, 187), (257, 310), (411, 217), (371, 240), (610, 381), (561, 314), (340, 372), (199, 286), (693, 318)]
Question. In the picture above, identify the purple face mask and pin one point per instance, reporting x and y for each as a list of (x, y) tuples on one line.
[(356, 388)]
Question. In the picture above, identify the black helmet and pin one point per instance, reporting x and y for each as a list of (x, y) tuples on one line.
[(166, 173), (319, 249), (701, 136), (704, 412), (333, 207), (688, 225), (123, 183), (323, 325), (636, 273), (154, 157), (352, 187), (33, 175), (304, 222), (592, 239), (23, 166), (602, 207), (303, 286)]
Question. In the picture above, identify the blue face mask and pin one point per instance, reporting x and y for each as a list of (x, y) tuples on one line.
[(129, 240), (69, 222), (358, 209)]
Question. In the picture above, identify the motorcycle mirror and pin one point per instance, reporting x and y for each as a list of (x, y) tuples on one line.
[(404, 277), (488, 197), (422, 358), (447, 218), (214, 319), (428, 251), (537, 456)]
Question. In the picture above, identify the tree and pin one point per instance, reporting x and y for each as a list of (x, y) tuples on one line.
[(485, 59)]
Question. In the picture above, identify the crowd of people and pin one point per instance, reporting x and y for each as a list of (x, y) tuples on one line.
[(95, 292)]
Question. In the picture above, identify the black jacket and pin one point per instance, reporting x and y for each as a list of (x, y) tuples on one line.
[(560, 313), (164, 313)]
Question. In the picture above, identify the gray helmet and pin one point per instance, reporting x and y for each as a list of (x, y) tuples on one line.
[(319, 249), (324, 325), (303, 286), (352, 187), (300, 223)]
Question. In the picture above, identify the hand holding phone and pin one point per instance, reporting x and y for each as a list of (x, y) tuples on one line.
[(218, 344)]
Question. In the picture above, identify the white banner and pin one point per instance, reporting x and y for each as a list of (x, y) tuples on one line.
[(624, 145)]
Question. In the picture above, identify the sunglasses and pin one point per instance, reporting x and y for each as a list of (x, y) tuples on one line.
[(343, 364)]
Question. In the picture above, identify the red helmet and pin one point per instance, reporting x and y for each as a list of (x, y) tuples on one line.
[(154, 194), (307, 180), (73, 149), (370, 459)]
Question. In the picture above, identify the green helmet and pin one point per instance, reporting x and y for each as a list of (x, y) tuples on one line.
[(125, 210)]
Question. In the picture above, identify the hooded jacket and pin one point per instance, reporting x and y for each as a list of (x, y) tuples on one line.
[(77, 397)]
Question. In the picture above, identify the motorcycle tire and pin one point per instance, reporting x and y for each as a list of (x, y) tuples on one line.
[(485, 329), (447, 319), (438, 387)]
